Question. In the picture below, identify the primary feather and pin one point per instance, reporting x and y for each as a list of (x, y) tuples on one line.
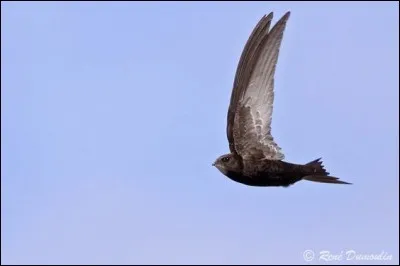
[(253, 114)]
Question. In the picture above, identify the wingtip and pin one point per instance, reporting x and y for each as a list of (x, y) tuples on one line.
[(286, 16), (270, 16), (326, 179), (267, 17)]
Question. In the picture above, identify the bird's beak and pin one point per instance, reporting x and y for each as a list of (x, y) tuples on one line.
[(213, 164)]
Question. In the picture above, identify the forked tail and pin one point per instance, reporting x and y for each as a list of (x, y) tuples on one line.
[(317, 173)]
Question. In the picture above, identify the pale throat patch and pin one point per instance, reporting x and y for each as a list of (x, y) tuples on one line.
[(222, 170)]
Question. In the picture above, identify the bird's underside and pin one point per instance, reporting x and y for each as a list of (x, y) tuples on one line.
[(255, 158), (273, 173)]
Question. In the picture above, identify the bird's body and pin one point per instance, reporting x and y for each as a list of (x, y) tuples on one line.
[(275, 173), (255, 159)]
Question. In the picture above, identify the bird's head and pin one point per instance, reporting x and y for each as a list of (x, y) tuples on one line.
[(227, 163)]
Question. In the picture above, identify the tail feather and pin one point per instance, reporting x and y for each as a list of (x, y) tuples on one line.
[(317, 167), (319, 174)]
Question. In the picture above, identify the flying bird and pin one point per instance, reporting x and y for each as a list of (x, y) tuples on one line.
[(255, 159)]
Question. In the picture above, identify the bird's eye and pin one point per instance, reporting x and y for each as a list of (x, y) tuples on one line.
[(225, 159)]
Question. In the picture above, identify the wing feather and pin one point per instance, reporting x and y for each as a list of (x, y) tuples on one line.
[(253, 114), (243, 72)]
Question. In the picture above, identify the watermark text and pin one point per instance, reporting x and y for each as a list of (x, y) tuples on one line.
[(345, 255)]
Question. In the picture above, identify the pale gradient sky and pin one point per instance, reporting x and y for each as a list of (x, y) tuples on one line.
[(112, 113)]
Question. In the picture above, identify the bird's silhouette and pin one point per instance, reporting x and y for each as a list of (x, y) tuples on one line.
[(255, 159)]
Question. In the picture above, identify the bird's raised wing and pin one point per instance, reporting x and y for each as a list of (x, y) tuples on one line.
[(253, 100), (243, 72)]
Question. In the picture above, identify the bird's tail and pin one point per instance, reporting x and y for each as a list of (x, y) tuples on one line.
[(317, 173)]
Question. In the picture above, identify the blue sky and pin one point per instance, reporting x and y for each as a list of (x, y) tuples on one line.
[(112, 113)]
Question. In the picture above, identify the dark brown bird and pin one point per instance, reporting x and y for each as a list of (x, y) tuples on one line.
[(255, 159)]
